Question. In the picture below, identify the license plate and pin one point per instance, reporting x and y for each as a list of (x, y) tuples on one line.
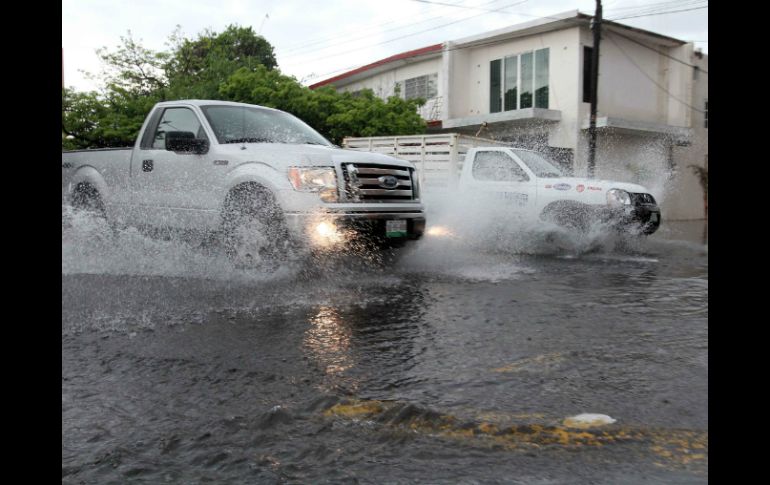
[(395, 228), (654, 217)]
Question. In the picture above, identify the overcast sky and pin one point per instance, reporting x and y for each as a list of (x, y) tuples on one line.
[(315, 39)]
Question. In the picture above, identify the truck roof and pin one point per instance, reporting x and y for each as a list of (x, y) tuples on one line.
[(206, 102)]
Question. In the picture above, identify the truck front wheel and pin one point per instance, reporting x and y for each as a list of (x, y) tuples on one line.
[(255, 235), (572, 217), (86, 198)]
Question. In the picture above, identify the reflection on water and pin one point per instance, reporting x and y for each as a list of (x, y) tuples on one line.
[(328, 341), (371, 342)]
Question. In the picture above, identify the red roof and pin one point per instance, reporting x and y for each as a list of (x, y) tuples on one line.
[(397, 57)]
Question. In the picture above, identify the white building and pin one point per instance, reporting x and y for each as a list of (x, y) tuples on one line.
[(528, 84)]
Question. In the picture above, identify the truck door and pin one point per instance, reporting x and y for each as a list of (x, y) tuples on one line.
[(496, 174), (172, 188)]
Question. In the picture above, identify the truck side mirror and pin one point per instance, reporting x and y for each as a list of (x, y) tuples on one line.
[(185, 141)]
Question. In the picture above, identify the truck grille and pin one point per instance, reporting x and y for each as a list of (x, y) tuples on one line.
[(369, 182), (639, 199)]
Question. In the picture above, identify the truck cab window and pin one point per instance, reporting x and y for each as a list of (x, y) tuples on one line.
[(176, 119), (496, 166), (239, 124)]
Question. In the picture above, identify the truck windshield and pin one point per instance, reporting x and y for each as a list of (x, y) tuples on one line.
[(539, 164), (243, 124)]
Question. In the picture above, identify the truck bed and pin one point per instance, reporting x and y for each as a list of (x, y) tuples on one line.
[(113, 164)]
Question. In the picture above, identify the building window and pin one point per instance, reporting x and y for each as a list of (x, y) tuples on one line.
[(541, 78), (495, 99), (425, 87), (706, 113), (527, 70), (511, 83), (519, 82), (588, 54)]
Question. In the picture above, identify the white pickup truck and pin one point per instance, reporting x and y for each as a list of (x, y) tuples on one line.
[(258, 176), (527, 183)]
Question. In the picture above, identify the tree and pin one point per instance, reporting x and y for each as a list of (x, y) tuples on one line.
[(335, 115), (197, 67), (95, 120), (368, 115), (133, 69), (235, 65)]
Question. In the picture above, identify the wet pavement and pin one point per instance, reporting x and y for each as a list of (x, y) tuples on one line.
[(459, 363)]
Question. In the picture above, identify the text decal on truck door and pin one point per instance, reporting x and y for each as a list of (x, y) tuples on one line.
[(513, 198)]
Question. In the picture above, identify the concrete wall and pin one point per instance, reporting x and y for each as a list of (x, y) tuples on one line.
[(687, 201), (456, 72), (629, 80)]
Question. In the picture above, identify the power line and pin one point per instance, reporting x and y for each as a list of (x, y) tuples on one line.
[(349, 40), (578, 21), (659, 13), (474, 45), (417, 33), (656, 5), (310, 42), (652, 80), (677, 3), (303, 53), (327, 38), (478, 44), (656, 8), (457, 6)]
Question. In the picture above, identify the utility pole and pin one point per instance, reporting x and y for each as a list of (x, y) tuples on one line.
[(596, 26)]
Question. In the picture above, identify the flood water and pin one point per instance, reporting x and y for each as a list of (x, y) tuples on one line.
[(457, 363)]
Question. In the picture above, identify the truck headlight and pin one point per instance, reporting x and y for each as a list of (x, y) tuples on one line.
[(616, 197), (315, 179), (415, 185)]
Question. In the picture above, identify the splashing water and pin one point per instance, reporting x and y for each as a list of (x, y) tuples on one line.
[(468, 236), (91, 245)]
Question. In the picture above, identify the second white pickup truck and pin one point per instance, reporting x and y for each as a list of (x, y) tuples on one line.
[(517, 182), (527, 183), (259, 176)]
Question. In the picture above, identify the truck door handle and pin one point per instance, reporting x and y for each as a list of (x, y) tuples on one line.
[(146, 165)]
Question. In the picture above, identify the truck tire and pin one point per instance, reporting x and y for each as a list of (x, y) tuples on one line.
[(572, 217), (254, 231), (86, 198)]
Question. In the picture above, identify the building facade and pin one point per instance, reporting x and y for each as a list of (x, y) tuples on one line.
[(528, 84)]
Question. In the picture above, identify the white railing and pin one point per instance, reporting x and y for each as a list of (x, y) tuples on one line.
[(438, 158)]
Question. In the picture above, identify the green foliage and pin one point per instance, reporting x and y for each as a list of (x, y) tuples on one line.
[(335, 115), (197, 67), (133, 68), (235, 65), (92, 120)]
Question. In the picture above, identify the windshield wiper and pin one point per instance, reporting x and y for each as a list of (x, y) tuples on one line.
[(248, 140)]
